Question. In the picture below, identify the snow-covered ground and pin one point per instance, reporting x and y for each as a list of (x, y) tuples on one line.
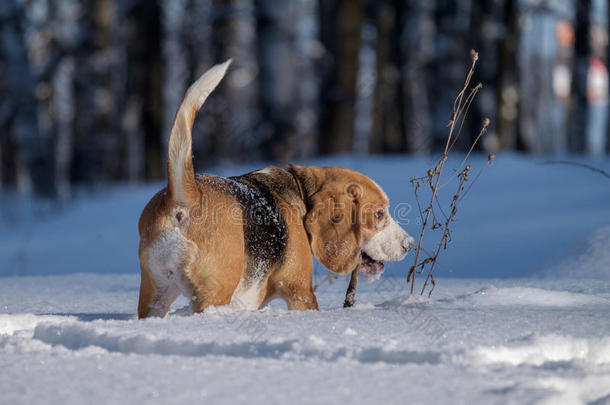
[(523, 316)]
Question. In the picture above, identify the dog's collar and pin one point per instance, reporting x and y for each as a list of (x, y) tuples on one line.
[(299, 185)]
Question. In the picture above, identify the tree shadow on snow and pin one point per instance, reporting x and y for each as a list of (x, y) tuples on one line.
[(90, 317)]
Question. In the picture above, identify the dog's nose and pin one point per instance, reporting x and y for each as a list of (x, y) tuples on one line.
[(407, 243)]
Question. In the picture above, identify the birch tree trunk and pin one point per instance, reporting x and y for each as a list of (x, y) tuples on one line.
[(537, 60)]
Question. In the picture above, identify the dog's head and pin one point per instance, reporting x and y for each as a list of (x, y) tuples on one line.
[(348, 220)]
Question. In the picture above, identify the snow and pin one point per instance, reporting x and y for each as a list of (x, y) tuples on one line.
[(514, 296), (549, 349), (523, 318)]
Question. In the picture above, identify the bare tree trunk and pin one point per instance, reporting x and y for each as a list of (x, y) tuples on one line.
[(8, 149), (401, 113), (365, 86), (234, 105), (449, 64), (241, 92), (141, 117), (197, 34), (582, 53), (98, 140), (507, 86), (306, 57), (221, 148), (33, 152), (340, 32), (55, 35), (275, 27), (415, 41), (109, 75), (198, 40), (175, 79), (386, 131)]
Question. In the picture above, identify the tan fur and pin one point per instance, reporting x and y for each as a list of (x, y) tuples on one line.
[(342, 204), (211, 271), (192, 237)]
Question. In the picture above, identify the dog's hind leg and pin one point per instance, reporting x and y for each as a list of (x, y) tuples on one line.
[(162, 301), (154, 300), (148, 290)]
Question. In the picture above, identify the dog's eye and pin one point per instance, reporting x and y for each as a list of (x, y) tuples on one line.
[(337, 217), (379, 214)]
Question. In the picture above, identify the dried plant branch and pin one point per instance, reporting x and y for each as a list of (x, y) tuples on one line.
[(329, 278), (446, 238), (469, 100), (483, 130), (461, 106), (490, 158), (431, 182)]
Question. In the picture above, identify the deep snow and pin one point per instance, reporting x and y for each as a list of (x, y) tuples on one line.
[(527, 320)]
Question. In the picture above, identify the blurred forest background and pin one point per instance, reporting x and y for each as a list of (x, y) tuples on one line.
[(89, 88)]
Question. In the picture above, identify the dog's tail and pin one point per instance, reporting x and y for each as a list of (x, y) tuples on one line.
[(181, 176)]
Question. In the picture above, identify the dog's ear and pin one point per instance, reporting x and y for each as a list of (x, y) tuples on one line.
[(333, 231), (332, 220)]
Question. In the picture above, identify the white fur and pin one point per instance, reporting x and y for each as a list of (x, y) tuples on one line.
[(390, 243), (246, 297), (167, 257)]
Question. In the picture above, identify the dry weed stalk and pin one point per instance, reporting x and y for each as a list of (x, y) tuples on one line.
[(330, 277), (432, 179), (461, 106)]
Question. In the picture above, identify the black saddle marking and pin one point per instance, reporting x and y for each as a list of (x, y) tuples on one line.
[(265, 230)]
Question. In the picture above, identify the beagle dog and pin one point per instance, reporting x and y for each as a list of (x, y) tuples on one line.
[(248, 239)]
